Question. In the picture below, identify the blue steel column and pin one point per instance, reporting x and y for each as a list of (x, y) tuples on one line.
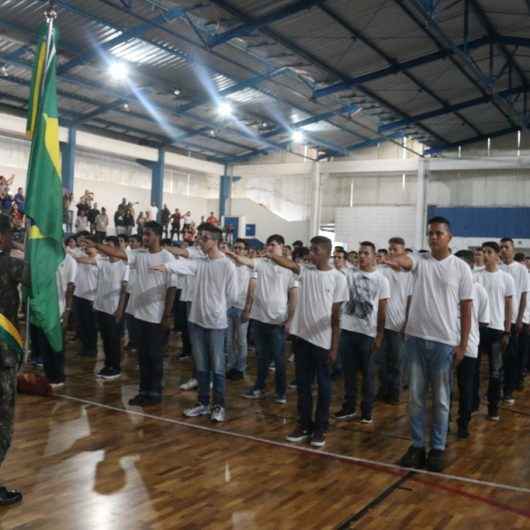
[(225, 192), (157, 180), (68, 153)]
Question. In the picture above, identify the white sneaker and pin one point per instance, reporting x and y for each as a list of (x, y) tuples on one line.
[(253, 393), (218, 413), (191, 384), (56, 386), (280, 400), (198, 410)]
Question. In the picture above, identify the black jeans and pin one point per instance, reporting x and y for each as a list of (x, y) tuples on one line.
[(100, 236), (53, 361), (111, 335), (86, 320), (132, 330), (181, 323), (175, 229), (357, 355), (388, 360), (466, 375), (490, 343), (511, 363), (310, 360), (150, 358), (524, 341)]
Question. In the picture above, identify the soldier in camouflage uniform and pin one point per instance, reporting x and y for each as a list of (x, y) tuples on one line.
[(11, 274)]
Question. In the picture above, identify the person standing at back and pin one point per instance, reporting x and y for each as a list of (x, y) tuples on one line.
[(435, 338), (513, 359)]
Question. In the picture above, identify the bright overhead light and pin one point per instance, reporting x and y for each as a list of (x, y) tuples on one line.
[(125, 106), (224, 109), (177, 92), (4, 71), (297, 137), (212, 133), (118, 71)]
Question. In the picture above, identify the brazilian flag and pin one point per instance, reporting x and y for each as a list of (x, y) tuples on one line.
[(44, 197)]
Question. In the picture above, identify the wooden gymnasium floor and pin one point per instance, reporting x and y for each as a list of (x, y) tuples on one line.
[(85, 461)]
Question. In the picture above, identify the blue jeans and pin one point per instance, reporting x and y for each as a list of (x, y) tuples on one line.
[(430, 364), (388, 361), (270, 340), (209, 356), (357, 356), (311, 361), (236, 341)]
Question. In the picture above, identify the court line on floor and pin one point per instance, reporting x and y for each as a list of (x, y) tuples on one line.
[(373, 463)]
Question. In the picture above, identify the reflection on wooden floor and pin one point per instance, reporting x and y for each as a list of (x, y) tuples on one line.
[(84, 467)]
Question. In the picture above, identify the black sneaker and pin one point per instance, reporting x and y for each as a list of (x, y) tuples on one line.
[(493, 413), (345, 414), (414, 457), (103, 372), (137, 401), (436, 460), (299, 435), (152, 400), (235, 375), (111, 374), (318, 439), (463, 432), (9, 497)]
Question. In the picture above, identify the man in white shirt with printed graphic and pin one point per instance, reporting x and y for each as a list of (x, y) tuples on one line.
[(435, 338)]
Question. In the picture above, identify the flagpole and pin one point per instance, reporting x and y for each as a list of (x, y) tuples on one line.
[(50, 15)]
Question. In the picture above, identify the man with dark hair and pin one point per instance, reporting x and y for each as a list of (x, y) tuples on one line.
[(380, 254), (296, 244), (316, 326), (478, 260), (272, 311), (215, 292), (154, 294), (362, 330), (11, 276), (165, 216), (500, 288), (513, 359), (236, 338), (390, 356), (466, 370), (437, 335)]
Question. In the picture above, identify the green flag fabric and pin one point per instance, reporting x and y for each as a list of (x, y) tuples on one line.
[(44, 196)]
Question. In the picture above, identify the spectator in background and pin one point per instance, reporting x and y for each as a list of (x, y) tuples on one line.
[(212, 219), (140, 223), (165, 216), (128, 219), (20, 199), (187, 221), (153, 212), (119, 221), (81, 223), (175, 223), (381, 253), (101, 223), (17, 218), (92, 213)]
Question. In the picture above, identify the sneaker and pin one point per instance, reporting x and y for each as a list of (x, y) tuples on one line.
[(198, 410), (281, 400), (368, 420), (235, 375), (318, 439), (272, 367), (299, 435), (191, 384), (57, 385), (218, 414), (414, 457), (137, 401), (102, 372), (493, 413), (345, 414), (111, 374), (436, 460), (183, 357), (508, 399), (292, 385), (253, 393), (463, 432)]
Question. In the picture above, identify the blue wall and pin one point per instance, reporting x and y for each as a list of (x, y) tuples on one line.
[(486, 222)]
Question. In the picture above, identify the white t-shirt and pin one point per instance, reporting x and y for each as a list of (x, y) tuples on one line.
[(400, 289), (86, 281), (439, 287), (479, 314), (498, 286), (215, 289), (153, 212), (319, 290), (366, 289), (150, 287), (188, 286), (111, 276), (519, 273), (66, 273), (272, 289), (526, 318), (243, 275)]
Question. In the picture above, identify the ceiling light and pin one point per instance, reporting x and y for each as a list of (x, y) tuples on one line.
[(4, 71), (212, 133), (118, 71), (297, 136), (224, 109), (177, 92), (125, 106)]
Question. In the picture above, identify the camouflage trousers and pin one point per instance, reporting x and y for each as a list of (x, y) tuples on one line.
[(8, 388)]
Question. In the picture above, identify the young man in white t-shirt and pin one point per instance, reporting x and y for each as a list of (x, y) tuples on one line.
[(500, 287), (215, 291), (523, 336), (272, 311), (111, 295), (480, 318), (84, 296), (512, 357), (390, 357), (236, 337), (478, 260), (316, 327), (135, 243), (154, 295), (435, 338), (362, 330)]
